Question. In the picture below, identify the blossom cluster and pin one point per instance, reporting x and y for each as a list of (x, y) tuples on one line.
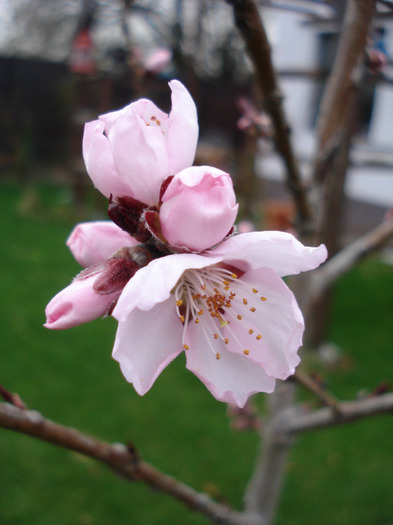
[(169, 267)]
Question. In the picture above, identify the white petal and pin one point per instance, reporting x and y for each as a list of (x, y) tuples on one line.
[(232, 378), (277, 319), (146, 342), (278, 250), (153, 283)]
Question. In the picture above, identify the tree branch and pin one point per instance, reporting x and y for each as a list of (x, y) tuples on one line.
[(346, 259), (345, 74), (251, 27), (121, 459), (349, 411)]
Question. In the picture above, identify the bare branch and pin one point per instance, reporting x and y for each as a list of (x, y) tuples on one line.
[(121, 459), (349, 411), (308, 382), (251, 27), (346, 259), (345, 74)]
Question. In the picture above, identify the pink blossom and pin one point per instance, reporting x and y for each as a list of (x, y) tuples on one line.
[(92, 242), (77, 304), (158, 60), (198, 208), (131, 151), (229, 309)]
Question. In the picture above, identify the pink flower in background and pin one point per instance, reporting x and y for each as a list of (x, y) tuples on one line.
[(130, 152), (229, 309), (158, 60), (92, 242), (198, 208)]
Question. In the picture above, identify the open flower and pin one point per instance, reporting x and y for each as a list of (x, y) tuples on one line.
[(198, 208), (131, 151), (229, 310)]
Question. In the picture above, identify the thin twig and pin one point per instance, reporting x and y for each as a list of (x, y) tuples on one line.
[(251, 27), (309, 383), (121, 459)]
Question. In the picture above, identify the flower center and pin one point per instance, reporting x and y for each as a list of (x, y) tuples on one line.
[(213, 298)]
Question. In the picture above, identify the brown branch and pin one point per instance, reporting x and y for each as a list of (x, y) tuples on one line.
[(343, 79), (121, 459), (308, 382), (251, 27), (349, 411)]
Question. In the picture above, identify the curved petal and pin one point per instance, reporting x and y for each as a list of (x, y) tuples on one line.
[(97, 154), (77, 304), (183, 129), (92, 242), (270, 329), (153, 283), (232, 378), (272, 249), (139, 151), (146, 342)]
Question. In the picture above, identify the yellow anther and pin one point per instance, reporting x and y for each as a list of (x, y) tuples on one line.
[(186, 347), (218, 356), (226, 283), (200, 311), (240, 317), (179, 302), (234, 276), (226, 341), (263, 299), (259, 337), (223, 323), (246, 352), (251, 331), (245, 301), (181, 317), (252, 309), (255, 290), (215, 336), (226, 288), (158, 122), (196, 321)]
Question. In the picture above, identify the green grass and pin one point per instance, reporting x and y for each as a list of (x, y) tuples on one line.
[(338, 476)]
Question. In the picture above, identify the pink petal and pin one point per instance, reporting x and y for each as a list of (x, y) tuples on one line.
[(153, 283), (97, 154), (232, 378), (183, 129), (77, 304), (277, 319), (140, 150), (92, 242), (199, 208), (272, 249), (146, 342)]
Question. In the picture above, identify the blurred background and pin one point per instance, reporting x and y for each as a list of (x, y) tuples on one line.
[(63, 63)]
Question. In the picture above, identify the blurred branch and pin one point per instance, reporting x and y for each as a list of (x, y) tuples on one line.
[(346, 259), (308, 382), (343, 79), (121, 459), (251, 27), (349, 411)]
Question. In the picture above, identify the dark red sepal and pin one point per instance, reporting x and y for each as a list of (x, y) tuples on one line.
[(164, 186)]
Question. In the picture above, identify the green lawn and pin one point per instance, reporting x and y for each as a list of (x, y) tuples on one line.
[(338, 476)]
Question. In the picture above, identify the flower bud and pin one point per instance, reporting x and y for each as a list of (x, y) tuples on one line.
[(92, 242), (78, 304), (198, 208)]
